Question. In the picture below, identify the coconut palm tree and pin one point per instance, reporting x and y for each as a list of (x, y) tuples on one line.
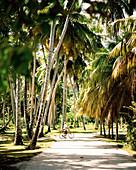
[(18, 131)]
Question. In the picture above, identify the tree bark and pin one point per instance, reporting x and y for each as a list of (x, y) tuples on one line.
[(12, 97), (8, 116), (83, 122), (25, 111), (64, 93), (112, 126), (104, 127), (45, 87), (101, 125), (33, 82), (116, 138), (3, 109), (109, 121), (18, 132), (49, 99)]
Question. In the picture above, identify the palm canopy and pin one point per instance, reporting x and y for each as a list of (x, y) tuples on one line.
[(112, 81)]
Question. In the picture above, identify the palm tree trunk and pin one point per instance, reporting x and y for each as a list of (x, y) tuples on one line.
[(8, 116), (3, 110), (25, 111), (96, 123), (18, 132), (12, 98), (49, 99), (101, 125), (45, 87), (116, 138), (112, 125), (33, 82), (64, 92), (54, 91), (83, 122), (53, 116), (109, 121), (74, 94), (104, 127), (66, 99)]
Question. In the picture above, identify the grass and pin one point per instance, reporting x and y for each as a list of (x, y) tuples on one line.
[(121, 143), (10, 154)]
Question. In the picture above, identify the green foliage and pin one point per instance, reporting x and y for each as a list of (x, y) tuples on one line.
[(16, 57)]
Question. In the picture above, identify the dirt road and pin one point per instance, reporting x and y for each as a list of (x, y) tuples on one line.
[(83, 152)]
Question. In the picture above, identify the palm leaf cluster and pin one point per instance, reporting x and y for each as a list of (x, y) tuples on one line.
[(112, 82)]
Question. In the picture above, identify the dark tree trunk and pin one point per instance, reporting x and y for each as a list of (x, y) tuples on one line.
[(112, 126), (4, 128), (101, 125), (104, 127), (83, 122), (109, 123), (116, 138)]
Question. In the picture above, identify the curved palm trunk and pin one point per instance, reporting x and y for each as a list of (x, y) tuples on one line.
[(18, 131), (49, 99), (33, 81), (49, 66), (45, 87), (64, 92), (54, 91), (4, 128)]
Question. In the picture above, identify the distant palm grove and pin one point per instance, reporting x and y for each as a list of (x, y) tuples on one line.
[(67, 60)]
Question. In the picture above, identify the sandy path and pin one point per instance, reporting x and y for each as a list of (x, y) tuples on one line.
[(83, 152)]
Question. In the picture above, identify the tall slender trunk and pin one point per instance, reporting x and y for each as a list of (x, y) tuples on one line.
[(104, 126), (64, 92), (29, 100), (96, 123), (74, 112), (8, 115), (101, 125), (53, 116), (66, 99), (45, 87), (49, 66), (112, 126), (54, 91), (49, 98), (18, 131), (12, 97), (25, 111), (75, 98), (3, 109), (109, 123), (83, 122), (33, 82), (116, 138)]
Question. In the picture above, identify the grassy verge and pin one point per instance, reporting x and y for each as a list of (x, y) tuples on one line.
[(121, 143), (11, 154)]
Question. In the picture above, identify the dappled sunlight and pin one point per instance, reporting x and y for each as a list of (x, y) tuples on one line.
[(85, 153)]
